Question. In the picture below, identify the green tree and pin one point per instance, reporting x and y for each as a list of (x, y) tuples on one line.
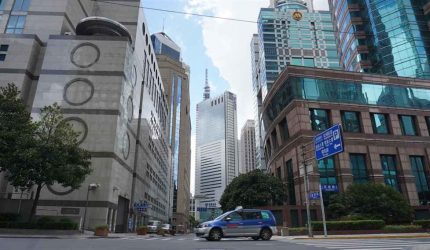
[(17, 141), (39, 153), (253, 189), (373, 201)]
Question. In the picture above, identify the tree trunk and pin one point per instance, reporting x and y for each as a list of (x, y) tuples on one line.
[(36, 199)]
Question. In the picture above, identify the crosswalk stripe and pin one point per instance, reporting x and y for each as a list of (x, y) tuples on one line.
[(367, 247), (362, 245), (386, 248)]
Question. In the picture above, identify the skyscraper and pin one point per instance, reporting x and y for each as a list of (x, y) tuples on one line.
[(385, 37), (216, 148), (247, 147), (283, 38), (96, 61), (176, 75)]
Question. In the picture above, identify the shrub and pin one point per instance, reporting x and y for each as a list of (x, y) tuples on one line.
[(298, 230), (9, 217), (46, 223), (423, 223), (349, 225), (402, 228), (102, 227), (374, 201)]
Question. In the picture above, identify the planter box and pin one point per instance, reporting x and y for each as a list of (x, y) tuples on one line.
[(142, 231), (101, 232)]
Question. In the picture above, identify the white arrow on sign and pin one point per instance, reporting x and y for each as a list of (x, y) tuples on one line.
[(336, 146)]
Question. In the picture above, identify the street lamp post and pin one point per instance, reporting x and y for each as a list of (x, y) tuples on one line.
[(92, 186)]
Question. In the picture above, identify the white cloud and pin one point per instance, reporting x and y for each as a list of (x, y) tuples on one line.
[(227, 44)]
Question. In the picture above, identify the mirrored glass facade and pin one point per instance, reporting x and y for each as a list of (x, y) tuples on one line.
[(389, 170), (388, 37), (337, 91), (418, 170)]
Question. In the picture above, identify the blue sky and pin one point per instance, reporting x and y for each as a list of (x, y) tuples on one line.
[(221, 46)]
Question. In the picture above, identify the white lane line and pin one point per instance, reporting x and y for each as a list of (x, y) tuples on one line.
[(365, 247), (385, 248), (151, 239)]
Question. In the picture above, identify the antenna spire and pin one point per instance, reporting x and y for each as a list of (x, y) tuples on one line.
[(207, 93)]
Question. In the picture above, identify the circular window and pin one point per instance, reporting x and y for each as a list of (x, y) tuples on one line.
[(78, 91), (79, 126), (134, 76), (85, 55), (130, 109), (58, 189), (126, 146)]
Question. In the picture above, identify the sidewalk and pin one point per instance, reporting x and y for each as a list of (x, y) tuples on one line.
[(362, 236), (77, 235)]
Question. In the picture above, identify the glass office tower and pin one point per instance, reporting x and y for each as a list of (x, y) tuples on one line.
[(387, 37), (283, 40)]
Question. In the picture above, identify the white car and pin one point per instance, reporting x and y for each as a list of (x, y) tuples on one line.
[(153, 226)]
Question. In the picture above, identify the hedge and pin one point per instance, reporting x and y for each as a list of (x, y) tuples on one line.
[(42, 223), (402, 228), (423, 223), (349, 225), (9, 217)]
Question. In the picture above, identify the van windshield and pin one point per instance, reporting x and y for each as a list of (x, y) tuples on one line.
[(222, 215), (153, 223)]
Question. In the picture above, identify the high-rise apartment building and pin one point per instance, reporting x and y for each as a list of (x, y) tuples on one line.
[(176, 79), (216, 148), (247, 147), (384, 37), (289, 33), (95, 59)]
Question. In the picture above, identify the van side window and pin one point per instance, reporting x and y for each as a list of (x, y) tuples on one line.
[(235, 216), (266, 215), (252, 215)]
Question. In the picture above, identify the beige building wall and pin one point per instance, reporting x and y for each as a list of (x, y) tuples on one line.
[(168, 69)]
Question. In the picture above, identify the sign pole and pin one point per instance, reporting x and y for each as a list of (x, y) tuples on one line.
[(308, 210), (323, 213)]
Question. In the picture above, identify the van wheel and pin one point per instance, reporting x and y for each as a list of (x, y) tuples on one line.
[(215, 234), (265, 234), (255, 238)]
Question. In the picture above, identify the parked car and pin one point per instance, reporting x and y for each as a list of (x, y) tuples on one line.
[(153, 226), (254, 223)]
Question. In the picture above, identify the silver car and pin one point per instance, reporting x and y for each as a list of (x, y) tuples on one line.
[(254, 223)]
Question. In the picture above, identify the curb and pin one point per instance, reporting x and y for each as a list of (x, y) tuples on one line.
[(367, 237)]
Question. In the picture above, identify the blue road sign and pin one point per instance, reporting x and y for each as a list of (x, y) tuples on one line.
[(330, 187), (328, 143), (141, 204), (314, 195)]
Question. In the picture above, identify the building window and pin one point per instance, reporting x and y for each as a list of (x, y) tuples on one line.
[(351, 121), (380, 123), (428, 123), (2, 4), (358, 166), (319, 119), (15, 24), (283, 128), (389, 170), (21, 5), (327, 172), (3, 52), (417, 164), (407, 123), (290, 183)]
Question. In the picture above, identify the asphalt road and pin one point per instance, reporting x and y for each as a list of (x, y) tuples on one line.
[(189, 242)]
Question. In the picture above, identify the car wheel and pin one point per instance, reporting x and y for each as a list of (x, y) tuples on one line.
[(208, 239), (265, 234), (215, 234), (255, 238)]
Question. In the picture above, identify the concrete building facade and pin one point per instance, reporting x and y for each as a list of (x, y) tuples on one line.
[(385, 124), (95, 59), (247, 148), (216, 148), (176, 80)]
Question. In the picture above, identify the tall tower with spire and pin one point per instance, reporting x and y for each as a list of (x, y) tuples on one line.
[(207, 93)]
